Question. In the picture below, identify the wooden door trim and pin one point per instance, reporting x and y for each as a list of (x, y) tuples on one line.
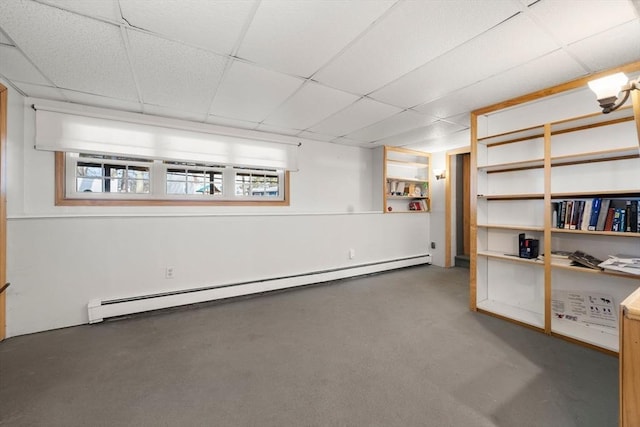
[(3, 209), (447, 202)]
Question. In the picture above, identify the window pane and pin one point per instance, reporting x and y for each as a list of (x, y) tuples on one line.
[(89, 185)]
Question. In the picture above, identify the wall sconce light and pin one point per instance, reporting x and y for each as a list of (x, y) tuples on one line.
[(608, 88), (439, 174)]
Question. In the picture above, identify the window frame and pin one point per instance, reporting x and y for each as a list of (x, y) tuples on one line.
[(158, 184)]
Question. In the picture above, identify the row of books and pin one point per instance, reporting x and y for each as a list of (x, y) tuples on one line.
[(418, 205), (596, 214)]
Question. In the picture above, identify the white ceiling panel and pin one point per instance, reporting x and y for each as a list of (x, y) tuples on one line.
[(277, 130), (316, 136), (293, 37), (14, 66), (311, 104), (214, 25), (532, 76), (573, 20), (5, 40), (38, 91), (493, 52), (612, 47), (171, 74), (79, 53), (358, 115), (350, 142), (250, 93), (393, 125), (413, 33), (103, 9), (414, 136), (223, 121), (101, 101)]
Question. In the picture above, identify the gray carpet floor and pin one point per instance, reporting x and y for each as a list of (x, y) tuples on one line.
[(393, 349)]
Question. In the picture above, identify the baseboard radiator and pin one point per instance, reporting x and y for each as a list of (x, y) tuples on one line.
[(104, 309)]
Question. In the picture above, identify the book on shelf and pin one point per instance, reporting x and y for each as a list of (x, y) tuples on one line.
[(585, 214), (594, 213), (602, 215), (418, 205), (585, 260)]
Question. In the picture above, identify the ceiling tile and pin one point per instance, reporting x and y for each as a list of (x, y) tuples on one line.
[(609, 48), (398, 123), (38, 91), (14, 66), (434, 130), (213, 25), (103, 9), (311, 104), (549, 70), (292, 36), (73, 51), (350, 142), (5, 40), (413, 33), (158, 110), (493, 52), (250, 93), (358, 115), (316, 136), (171, 74), (224, 121), (573, 20), (277, 130), (101, 101)]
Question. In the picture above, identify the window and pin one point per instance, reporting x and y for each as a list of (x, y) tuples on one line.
[(89, 179)]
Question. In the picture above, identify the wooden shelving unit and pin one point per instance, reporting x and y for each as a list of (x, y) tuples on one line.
[(405, 180), (516, 176)]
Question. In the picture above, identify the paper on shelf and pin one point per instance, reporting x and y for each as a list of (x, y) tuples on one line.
[(624, 263)]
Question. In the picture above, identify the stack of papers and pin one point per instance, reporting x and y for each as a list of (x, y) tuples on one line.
[(629, 264)]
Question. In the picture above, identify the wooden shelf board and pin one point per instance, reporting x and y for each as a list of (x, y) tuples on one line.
[(631, 193), (407, 197), (593, 271), (512, 227), (599, 233), (511, 196), (404, 163), (407, 211), (512, 258), (592, 120), (604, 155), (513, 166), (513, 136), (509, 311), (399, 179), (598, 336)]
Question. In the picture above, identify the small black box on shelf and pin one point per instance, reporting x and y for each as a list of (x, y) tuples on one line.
[(528, 247)]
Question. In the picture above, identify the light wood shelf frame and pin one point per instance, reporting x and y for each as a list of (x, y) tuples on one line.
[(392, 156), (547, 132)]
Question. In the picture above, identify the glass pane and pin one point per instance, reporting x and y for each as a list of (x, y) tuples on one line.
[(89, 185), (139, 186)]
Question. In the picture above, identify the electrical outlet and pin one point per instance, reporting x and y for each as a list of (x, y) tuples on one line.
[(169, 273), (352, 253), (433, 245)]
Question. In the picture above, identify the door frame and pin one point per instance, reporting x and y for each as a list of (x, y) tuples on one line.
[(3, 209), (448, 188)]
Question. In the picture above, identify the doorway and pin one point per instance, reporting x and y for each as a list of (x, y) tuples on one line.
[(457, 208)]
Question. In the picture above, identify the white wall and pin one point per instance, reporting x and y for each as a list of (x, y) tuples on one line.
[(59, 258)]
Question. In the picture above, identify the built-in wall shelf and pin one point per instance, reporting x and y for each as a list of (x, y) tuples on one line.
[(594, 271), (511, 227), (512, 166), (509, 257), (514, 312), (511, 196), (597, 233)]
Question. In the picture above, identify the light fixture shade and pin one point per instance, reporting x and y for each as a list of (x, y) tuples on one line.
[(609, 86)]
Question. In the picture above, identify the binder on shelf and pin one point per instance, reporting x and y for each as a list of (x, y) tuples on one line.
[(595, 213), (602, 216), (568, 215), (608, 225), (562, 213)]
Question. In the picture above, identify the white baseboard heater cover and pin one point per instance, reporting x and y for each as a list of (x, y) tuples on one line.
[(102, 309)]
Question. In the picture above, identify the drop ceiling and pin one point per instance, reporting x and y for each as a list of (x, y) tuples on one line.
[(355, 72)]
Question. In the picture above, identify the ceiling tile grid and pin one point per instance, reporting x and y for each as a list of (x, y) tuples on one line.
[(73, 51), (352, 72), (171, 74), (250, 93), (213, 25), (303, 36)]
